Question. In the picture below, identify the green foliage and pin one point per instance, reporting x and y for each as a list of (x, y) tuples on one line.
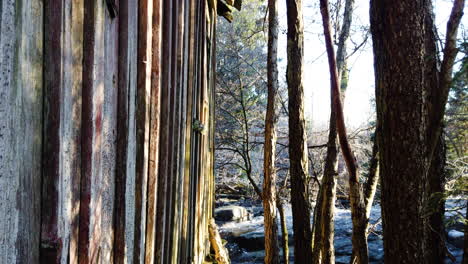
[(241, 88), (456, 117), (456, 132)]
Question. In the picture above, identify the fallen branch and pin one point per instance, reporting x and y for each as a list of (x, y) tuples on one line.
[(221, 254)]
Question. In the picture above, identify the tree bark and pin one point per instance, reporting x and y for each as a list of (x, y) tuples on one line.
[(317, 226), (435, 242), (435, 233), (356, 195), (372, 177), (411, 94), (269, 181), (324, 251), (399, 85), (297, 134), (465, 246), (284, 232)]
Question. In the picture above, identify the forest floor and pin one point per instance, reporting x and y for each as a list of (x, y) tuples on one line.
[(245, 237)]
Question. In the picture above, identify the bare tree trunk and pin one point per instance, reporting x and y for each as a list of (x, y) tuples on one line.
[(434, 233), (317, 227), (297, 134), (269, 181), (324, 251), (435, 227), (358, 209), (246, 148), (410, 109), (402, 174), (284, 232), (372, 177), (465, 246)]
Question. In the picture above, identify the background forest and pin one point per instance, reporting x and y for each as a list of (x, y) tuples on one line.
[(242, 93)]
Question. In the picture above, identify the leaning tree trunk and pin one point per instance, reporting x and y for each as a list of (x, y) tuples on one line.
[(356, 195), (372, 177), (297, 134), (410, 109), (269, 182), (323, 248), (434, 202)]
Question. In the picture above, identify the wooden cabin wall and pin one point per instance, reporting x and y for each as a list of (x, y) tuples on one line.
[(21, 105), (106, 131)]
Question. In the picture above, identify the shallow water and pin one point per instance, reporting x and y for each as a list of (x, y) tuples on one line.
[(253, 229)]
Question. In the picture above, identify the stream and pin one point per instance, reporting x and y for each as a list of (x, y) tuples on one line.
[(245, 235)]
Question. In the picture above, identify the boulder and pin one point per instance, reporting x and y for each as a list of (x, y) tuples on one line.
[(456, 238), (231, 213), (252, 241), (224, 202)]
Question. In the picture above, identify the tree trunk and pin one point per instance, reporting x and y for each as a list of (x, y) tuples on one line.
[(465, 246), (372, 177), (370, 188), (435, 226), (317, 226), (323, 248), (269, 182), (356, 195), (411, 95), (435, 233), (399, 85), (297, 134), (324, 232), (246, 148), (284, 232)]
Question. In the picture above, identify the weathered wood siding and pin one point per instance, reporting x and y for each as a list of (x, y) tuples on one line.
[(21, 96), (106, 135)]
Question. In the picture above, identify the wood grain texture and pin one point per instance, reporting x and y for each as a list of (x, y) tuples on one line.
[(62, 124), (143, 99), (20, 129), (126, 133), (117, 115), (92, 125)]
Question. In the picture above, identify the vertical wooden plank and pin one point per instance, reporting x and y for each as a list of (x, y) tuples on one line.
[(212, 129), (142, 123), (183, 55), (106, 183), (28, 126), (179, 129), (177, 91), (62, 121), (73, 95), (51, 242), (92, 118), (154, 134), (9, 180), (199, 225), (185, 247), (125, 166), (21, 31), (166, 65), (211, 126), (195, 155)]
